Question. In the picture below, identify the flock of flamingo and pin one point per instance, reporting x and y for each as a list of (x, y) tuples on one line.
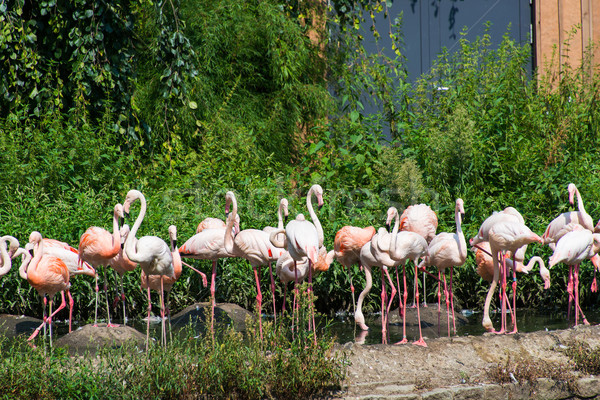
[(299, 252)]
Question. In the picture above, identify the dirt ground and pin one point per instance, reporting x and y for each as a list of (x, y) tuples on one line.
[(444, 362)]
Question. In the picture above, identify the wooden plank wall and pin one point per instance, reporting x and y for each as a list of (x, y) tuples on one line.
[(555, 21)]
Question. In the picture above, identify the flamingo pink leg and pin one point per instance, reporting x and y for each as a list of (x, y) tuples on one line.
[(273, 292), (311, 301), (148, 320), (212, 297), (162, 311), (452, 300), (447, 297), (259, 300), (570, 291), (383, 302), (401, 310), (576, 286), (71, 303), (404, 299), (513, 312), (421, 341)]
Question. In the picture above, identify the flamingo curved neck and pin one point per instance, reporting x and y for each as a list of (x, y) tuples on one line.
[(313, 216), (229, 247), (394, 236), (130, 247), (6, 262), (25, 263), (580, 206), (280, 215)]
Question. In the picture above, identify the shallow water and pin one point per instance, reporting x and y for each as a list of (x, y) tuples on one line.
[(345, 330)]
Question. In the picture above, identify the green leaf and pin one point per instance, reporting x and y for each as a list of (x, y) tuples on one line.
[(354, 115), (193, 105)]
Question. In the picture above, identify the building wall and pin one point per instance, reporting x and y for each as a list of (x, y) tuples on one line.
[(557, 21)]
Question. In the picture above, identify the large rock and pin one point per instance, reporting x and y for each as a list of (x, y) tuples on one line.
[(14, 325), (198, 315), (91, 338)]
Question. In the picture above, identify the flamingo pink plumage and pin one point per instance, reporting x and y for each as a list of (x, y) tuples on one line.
[(151, 253), (253, 245), (506, 236), (421, 219), (347, 244), (304, 238), (556, 228), (97, 246), (209, 244), (572, 249), (48, 275), (448, 250), (7, 253)]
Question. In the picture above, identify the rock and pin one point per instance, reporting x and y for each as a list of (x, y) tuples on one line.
[(14, 325), (197, 314), (90, 338)]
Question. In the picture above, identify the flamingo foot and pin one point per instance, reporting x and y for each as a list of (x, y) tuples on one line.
[(111, 325), (403, 341), (362, 326), (420, 342)]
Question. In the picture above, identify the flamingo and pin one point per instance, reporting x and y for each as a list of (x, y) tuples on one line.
[(154, 281), (572, 249), (151, 253), (347, 244), (7, 254), (286, 273), (304, 238), (505, 236), (209, 244), (421, 219), (282, 214), (48, 275), (253, 245), (485, 266), (97, 246), (121, 264), (210, 223), (448, 250), (559, 226)]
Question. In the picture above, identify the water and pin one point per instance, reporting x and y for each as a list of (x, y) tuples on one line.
[(343, 328)]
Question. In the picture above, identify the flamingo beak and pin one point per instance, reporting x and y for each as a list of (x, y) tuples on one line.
[(122, 220), (388, 227)]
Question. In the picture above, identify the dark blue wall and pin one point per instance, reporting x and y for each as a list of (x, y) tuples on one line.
[(430, 25)]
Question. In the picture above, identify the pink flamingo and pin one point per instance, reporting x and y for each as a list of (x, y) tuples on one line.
[(7, 253), (253, 245), (121, 264), (347, 244), (572, 249), (506, 236), (556, 228), (97, 246), (286, 272), (448, 250), (282, 215), (152, 254), (210, 223), (304, 238), (48, 275), (421, 219), (209, 244)]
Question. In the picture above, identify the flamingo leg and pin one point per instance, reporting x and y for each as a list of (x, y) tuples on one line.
[(404, 299), (383, 302), (71, 303), (452, 300), (212, 298), (424, 292), (513, 312), (167, 302), (162, 311), (148, 319), (50, 321), (123, 299), (387, 274), (570, 291), (311, 301), (576, 286), (421, 341), (273, 292), (109, 324), (352, 290), (258, 300), (97, 295), (401, 310), (447, 297), (439, 296), (43, 324)]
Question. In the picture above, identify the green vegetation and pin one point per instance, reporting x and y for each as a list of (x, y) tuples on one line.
[(186, 100), (231, 367)]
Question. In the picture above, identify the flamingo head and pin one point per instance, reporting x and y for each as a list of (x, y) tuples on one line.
[(229, 198), (173, 236), (13, 246), (124, 232), (284, 206), (392, 212), (460, 206), (132, 196), (35, 237), (572, 189), (120, 213), (318, 191)]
